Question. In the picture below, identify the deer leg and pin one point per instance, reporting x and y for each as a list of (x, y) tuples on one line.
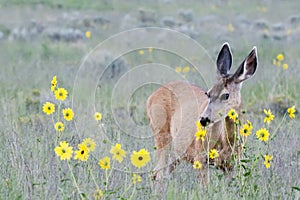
[(162, 140), (161, 164), (162, 174)]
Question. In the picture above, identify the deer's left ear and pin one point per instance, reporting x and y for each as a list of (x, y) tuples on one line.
[(247, 68), (224, 60)]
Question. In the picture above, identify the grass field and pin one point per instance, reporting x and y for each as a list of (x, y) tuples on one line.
[(113, 72)]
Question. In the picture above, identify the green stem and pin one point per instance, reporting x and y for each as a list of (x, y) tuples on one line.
[(112, 166), (93, 177), (244, 146), (58, 134), (106, 180), (124, 192), (253, 165), (132, 191), (74, 180), (234, 144), (58, 111), (207, 154), (226, 133), (277, 128)]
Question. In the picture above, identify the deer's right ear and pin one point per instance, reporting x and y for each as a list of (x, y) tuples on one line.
[(247, 68), (224, 60)]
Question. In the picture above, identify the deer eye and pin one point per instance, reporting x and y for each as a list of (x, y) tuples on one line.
[(224, 96)]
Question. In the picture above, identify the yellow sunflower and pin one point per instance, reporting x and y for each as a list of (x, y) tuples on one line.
[(89, 143), (136, 178), (140, 159), (178, 69), (250, 125), (98, 194), (262, 134), (268, 160), (53, 83), (104, 163), (49, 108), (97, 116), (213, 154), (64, 151), (232, 114), (82, 153), (88, 34), (200, 135), (245, 130), (59, 126), (201, 132), (61, 94), (280, 57), (117, 152), (197, 165), (291, 111), (68, 114), (186, 69), (141, 52), (269, 116)]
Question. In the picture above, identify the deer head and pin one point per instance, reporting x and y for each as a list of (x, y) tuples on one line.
[(225, 94)]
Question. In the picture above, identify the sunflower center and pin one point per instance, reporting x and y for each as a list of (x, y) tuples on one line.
[(67, 114), (82, 152), (140, 157), (60, 94), (63, 151), (117, 153), (245, 130), (49, 108)]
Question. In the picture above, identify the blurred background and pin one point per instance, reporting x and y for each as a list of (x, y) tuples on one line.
[(41, 38)]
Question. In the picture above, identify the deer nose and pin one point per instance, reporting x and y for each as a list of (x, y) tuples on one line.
[(204, 121)]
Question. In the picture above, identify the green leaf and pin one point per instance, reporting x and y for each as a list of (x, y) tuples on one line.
[(244, 167), (295, 188), (83, 195), (247, 174), (232, 157), (109, 192), (245, 160), (255, 187)]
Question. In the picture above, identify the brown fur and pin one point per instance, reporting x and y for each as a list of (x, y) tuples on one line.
[(174, 108), (173, 111)]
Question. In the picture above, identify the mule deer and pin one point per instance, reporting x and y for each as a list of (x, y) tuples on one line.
[(174, 108)]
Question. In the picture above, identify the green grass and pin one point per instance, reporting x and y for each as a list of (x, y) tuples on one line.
[(66, 4), (29, 166)]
